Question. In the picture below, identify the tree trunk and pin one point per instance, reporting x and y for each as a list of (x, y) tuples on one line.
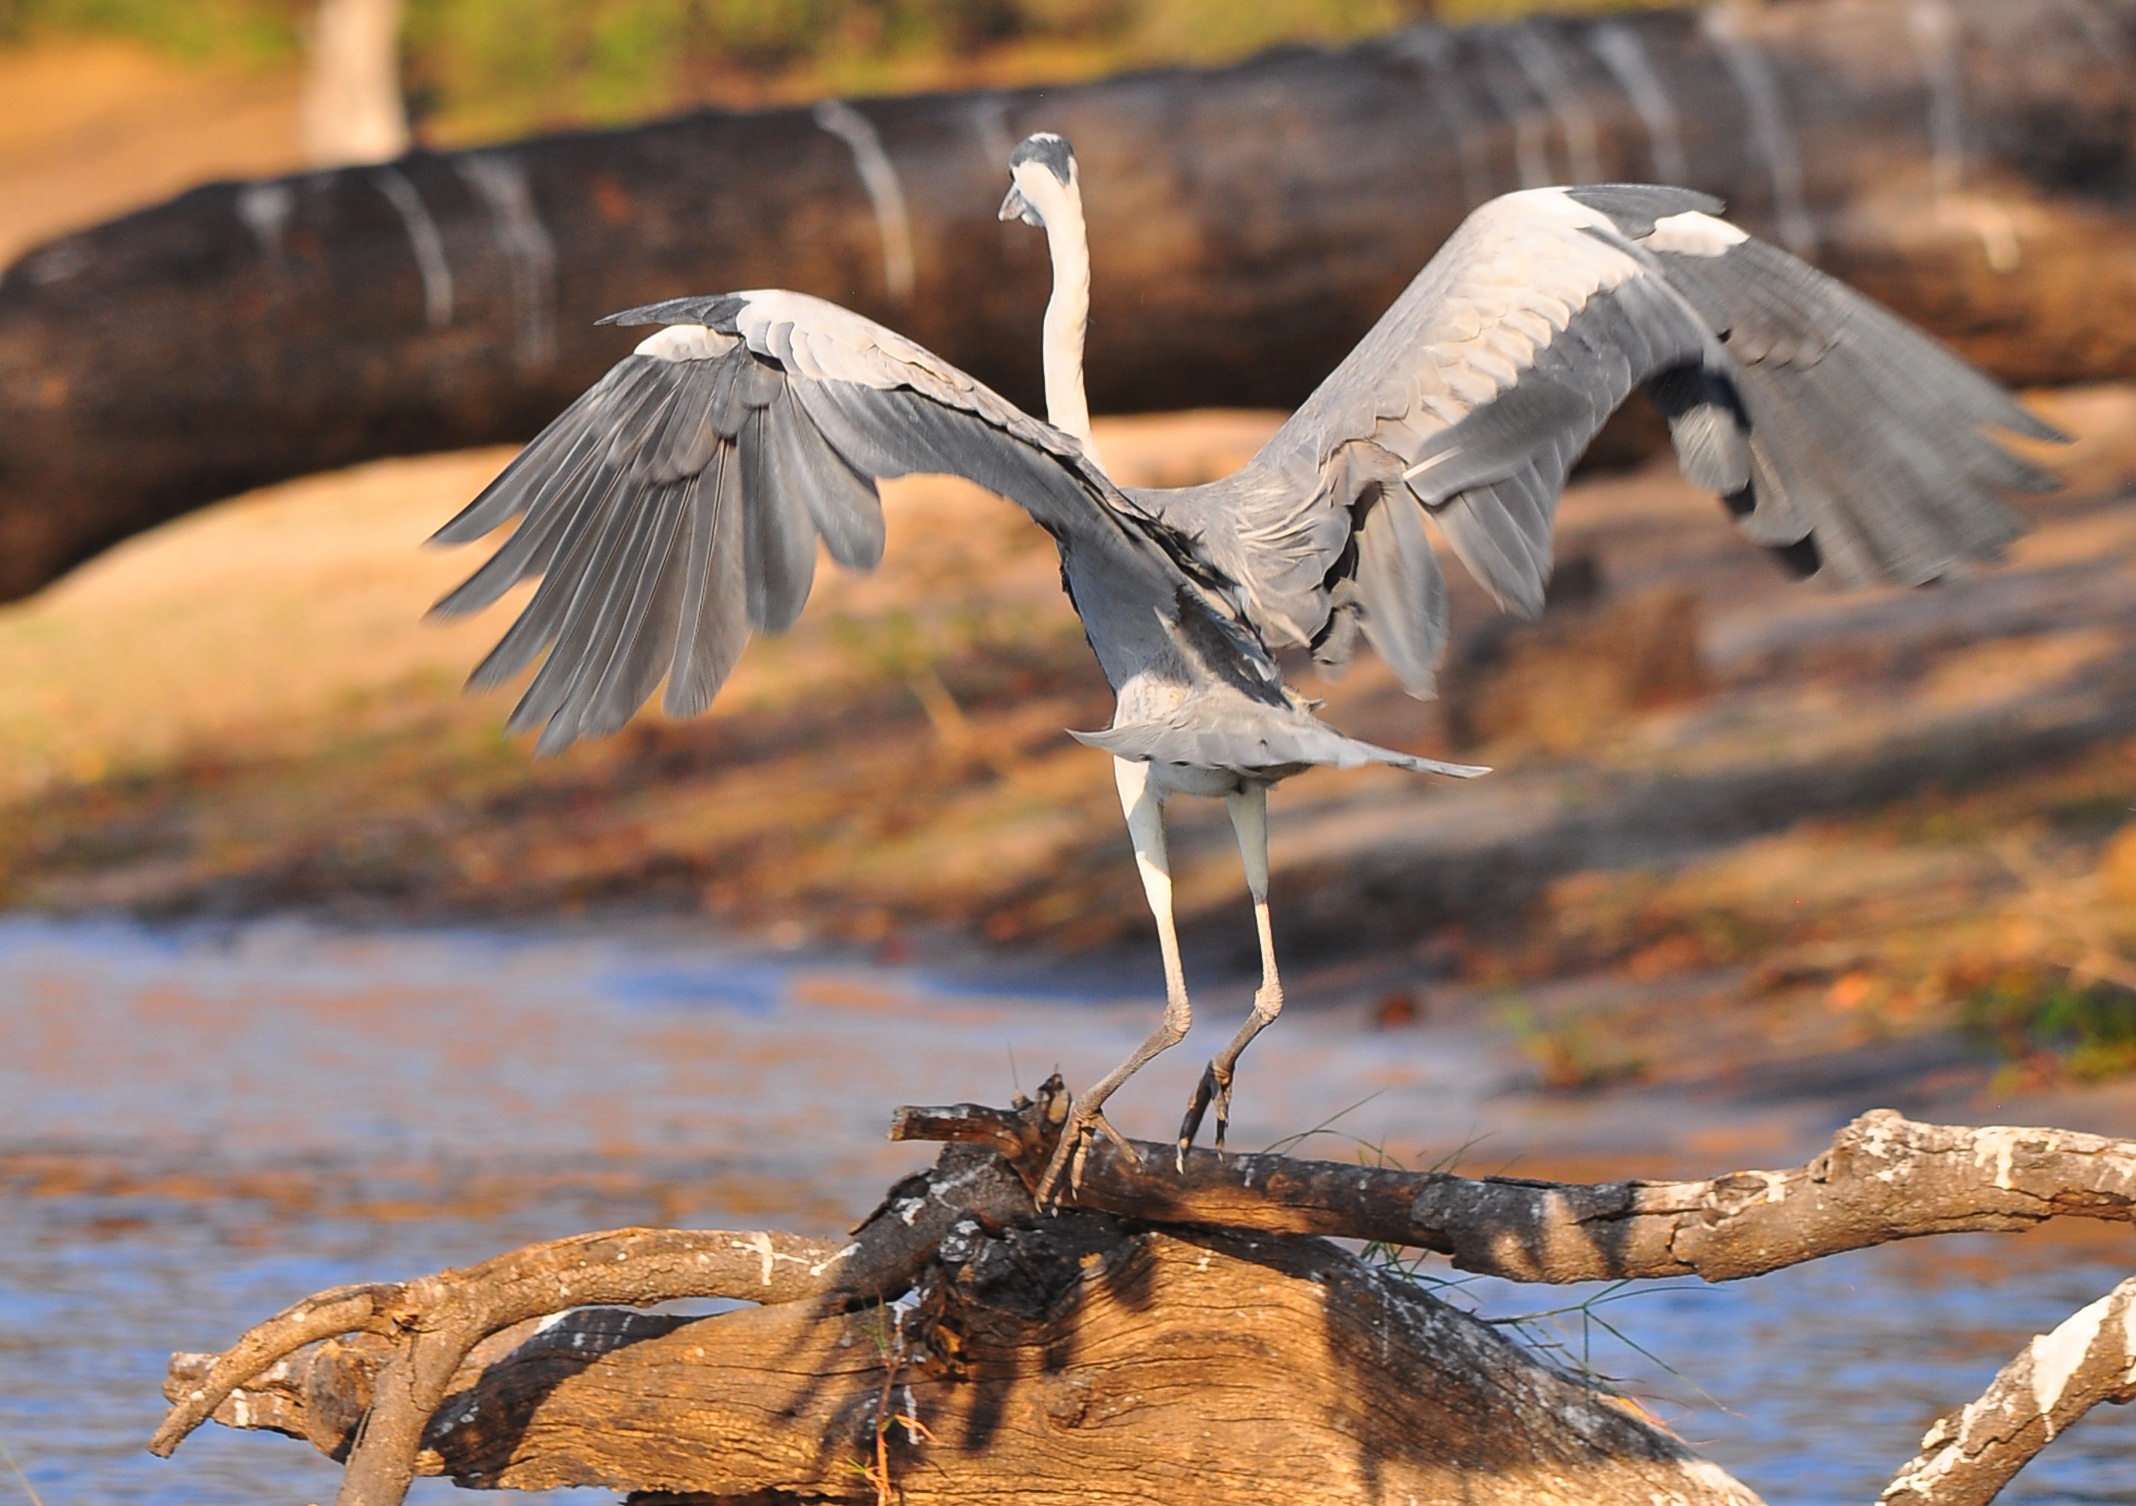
[(1967, 161), (963, 1347), (353, 111)]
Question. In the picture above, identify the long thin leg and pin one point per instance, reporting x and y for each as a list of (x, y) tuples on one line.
[(1144, 806), (1249, 819)]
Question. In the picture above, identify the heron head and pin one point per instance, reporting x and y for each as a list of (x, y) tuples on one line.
[(1041, 176)]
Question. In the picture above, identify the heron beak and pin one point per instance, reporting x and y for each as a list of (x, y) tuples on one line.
[(1017, 207)]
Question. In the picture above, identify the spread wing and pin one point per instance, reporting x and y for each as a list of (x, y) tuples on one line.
[(675, 507), (1834, 431)]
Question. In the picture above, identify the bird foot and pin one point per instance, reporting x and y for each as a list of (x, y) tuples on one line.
[(1214, 1088), (1072, 1154)]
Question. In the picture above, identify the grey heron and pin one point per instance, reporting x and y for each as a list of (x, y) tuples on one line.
[(677, 506)]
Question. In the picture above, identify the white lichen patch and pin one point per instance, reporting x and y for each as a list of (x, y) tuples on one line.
[(2056, 1357), (1776, 1185), (833, 1258), (1997, 1146), (1920, 1479), (1876, 1136), (766, 1255), (941, 1191)]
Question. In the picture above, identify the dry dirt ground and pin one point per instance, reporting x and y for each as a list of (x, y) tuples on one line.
[(90, 129), (1740, 827)]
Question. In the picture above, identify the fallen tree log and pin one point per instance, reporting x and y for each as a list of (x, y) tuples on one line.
[(1967, 161), (1172, 1337)]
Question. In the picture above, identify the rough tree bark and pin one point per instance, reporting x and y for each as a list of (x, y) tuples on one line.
[(1174, 1337), (1967, 161)]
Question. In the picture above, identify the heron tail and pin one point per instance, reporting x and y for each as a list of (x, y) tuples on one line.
[(1256, 744)]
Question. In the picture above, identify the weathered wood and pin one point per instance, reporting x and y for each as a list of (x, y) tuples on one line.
[(1968, 1457), (963, 1346), (438, 1321), (1884, 1178), (1072, 1360), (1967, 161)]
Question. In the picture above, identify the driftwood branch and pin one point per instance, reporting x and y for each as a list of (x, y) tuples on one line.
[(1884, 1178), (434, 1323), (1966, 1458), (961, 1345), (1966, 161)]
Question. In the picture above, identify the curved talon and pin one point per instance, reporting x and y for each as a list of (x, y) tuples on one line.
[(1214, 1088), (1072, 1154), (1069, 1150)]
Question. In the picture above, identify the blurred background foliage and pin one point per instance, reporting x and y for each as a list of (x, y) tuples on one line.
[(264, 32), (485, 69)]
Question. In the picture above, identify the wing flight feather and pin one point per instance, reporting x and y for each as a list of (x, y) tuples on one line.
[(677, 506), (1836, 433)]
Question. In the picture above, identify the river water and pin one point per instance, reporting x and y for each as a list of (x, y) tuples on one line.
[(199, 1125)]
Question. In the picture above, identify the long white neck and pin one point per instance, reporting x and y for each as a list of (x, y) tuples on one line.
[(1067, 315)]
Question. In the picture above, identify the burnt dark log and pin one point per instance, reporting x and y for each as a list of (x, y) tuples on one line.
[(1967, 161), (1883, 1178)]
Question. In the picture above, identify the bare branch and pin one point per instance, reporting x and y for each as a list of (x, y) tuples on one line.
[(438, 1319), (343, 1309), (435, 1322), (1967, 1458), (1884, 1178)]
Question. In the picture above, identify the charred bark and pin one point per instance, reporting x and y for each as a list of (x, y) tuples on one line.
[(1967, 161), (963, 1347), (1883, 1178)]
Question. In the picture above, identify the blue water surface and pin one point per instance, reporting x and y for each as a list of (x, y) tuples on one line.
[(199, 1126)]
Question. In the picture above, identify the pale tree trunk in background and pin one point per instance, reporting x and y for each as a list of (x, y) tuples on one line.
[(352, 98)]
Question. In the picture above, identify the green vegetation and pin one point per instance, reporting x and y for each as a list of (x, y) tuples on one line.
[(2036, 1019), (260, 31), (482, 69), (1565, 1049)]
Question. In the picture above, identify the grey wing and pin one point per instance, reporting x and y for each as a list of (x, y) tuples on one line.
[(675, 508), (1868, 456), (1834, 431)]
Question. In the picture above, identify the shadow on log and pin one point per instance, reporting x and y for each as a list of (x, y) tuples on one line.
[(1966, 161), (1174, 1337)]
